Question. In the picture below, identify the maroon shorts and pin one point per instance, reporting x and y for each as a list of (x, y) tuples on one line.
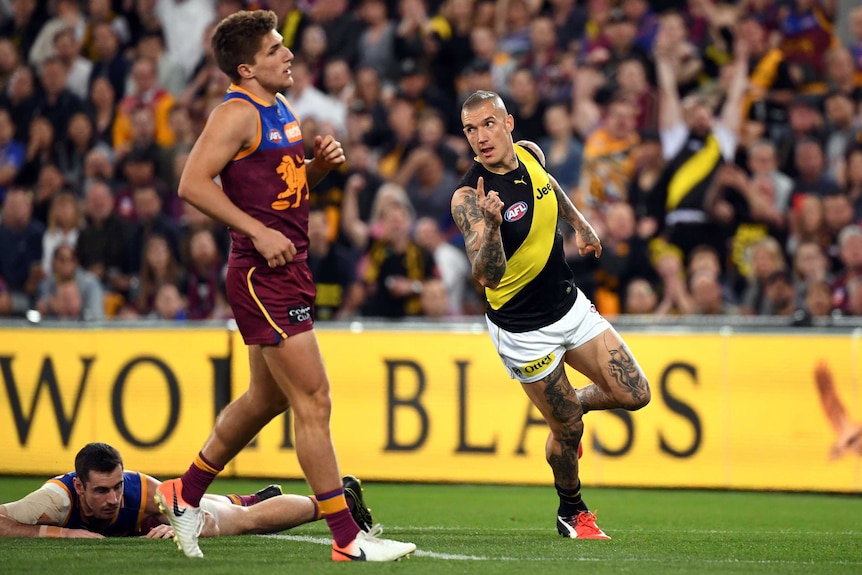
[(271, 304)]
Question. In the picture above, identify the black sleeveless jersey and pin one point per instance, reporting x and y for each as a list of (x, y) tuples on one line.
[(538, 287)]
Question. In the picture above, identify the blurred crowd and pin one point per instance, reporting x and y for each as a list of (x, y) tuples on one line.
[(715, 147)]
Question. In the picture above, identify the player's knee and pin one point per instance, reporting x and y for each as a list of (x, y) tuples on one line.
[(637, 396), (570, 431)]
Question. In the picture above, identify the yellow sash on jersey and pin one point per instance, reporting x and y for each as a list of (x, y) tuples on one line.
[(692, 172), (532, 255)]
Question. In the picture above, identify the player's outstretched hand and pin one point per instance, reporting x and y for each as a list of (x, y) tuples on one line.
[(328, 152), (274, 247), (490, 204), (159, 532)]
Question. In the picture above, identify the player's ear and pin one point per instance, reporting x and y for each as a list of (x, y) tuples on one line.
[(245, 71), (510, 123), (79, 485)]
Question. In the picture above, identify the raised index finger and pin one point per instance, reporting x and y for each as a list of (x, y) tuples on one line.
[(480, 188)]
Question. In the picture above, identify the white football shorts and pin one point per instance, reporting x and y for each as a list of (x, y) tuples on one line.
[(531, 355)]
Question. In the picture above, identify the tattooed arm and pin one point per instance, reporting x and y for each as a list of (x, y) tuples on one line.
[(587, 239), (478, 217)]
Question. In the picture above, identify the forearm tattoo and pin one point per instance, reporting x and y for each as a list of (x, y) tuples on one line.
[(486, 253)]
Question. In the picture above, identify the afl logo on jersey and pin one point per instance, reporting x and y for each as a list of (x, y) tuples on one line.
[(274, 136), (516, 212)]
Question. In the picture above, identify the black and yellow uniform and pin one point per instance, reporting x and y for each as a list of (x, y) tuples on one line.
[(538, 287), (678, 200)]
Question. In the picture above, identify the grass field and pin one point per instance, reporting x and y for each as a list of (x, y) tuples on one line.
[(490, 530)]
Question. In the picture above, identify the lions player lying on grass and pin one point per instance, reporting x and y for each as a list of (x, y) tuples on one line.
[(101, 499)]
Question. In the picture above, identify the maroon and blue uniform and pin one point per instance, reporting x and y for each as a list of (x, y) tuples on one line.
[(268, 181), (129, 518)]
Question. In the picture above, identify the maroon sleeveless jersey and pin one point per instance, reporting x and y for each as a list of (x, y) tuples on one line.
[(268, 180)]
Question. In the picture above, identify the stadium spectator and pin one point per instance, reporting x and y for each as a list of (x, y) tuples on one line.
[(12, 152), (810, 266), (20, 248), (159, 266), (169, 304), (564, 151), (292, 21), (691, 136), (109, 61), (805, 122), (850, 255), (340, 25), (394, 267), (764, 258), (675, 298), (453, 266), (67, 49), (333, 268), (762, 161), (818, 300), (69, 291), (778, 294), (608, 161), (22, 101), (435, 300), (528, 108), (72, 150), (63, 226), (640, 298), (338, 81), (624, 257), (204, 274), (56, 102), (376, 48), (170, 74), (23, 24), (842, 125), (145, 93), (103, 499), (184, 23), (311, 103), (428, 183), (707, 295), (102, 246), (41, 151)]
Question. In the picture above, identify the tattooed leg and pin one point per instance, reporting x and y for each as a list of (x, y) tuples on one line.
[(624, 385), (556, 399)]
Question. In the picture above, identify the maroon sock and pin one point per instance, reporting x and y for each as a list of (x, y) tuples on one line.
[(197, 479), (343, 527), (333, 505)]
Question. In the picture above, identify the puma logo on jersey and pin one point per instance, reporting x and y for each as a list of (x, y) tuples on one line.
[(520, 181)]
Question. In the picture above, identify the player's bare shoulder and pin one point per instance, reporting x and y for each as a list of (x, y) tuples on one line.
[(533, 147), (235, 119)]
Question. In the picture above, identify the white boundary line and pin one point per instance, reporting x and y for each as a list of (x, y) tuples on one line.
[(582, 559)]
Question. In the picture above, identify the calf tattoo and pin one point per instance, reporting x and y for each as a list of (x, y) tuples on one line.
[(565, 408)]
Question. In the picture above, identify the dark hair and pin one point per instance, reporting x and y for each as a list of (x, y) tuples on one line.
[(237, 39), (99, 457)]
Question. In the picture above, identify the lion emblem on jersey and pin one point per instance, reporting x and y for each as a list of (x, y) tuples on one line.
[(292, 172)]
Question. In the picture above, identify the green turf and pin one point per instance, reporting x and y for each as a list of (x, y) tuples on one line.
[(489, 530)]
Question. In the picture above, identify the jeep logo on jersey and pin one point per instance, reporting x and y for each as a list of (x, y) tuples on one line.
[(274, 136), (516, 212)]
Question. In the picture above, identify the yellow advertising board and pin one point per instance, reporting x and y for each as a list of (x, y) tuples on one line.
[(729, 410), (150, 393)]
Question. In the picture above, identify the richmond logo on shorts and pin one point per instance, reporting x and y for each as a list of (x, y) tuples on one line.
[(299, 314), (535, 367)]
